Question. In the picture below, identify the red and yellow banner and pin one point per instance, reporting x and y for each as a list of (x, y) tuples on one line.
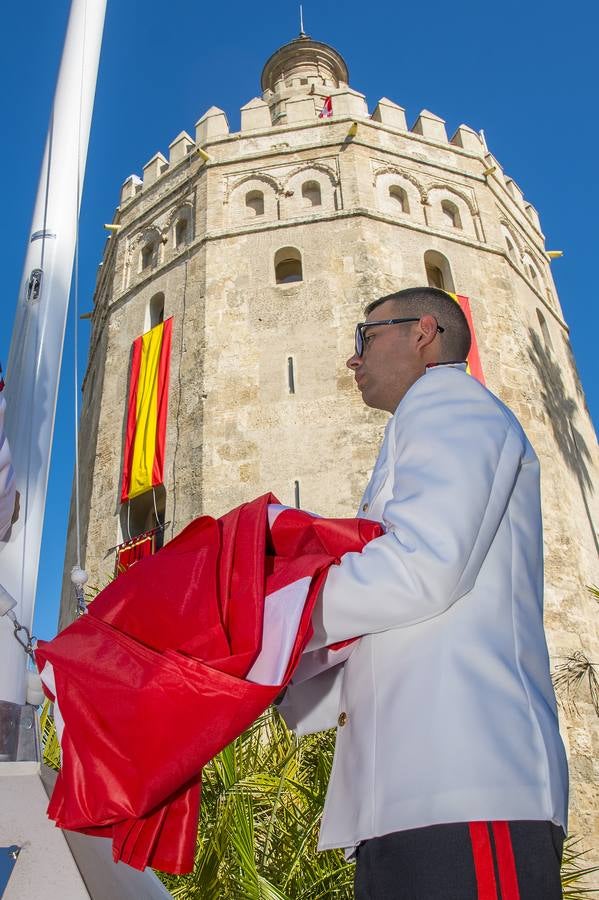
[(143, 465), (474, 367), (130, 552)]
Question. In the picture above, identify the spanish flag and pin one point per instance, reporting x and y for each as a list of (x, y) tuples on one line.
[(143, 465), (474, 367)]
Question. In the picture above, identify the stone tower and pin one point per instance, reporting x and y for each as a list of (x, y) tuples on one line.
[(264, 246)]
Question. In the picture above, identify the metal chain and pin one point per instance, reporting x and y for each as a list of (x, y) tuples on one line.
[(81, 604), (26, 645)]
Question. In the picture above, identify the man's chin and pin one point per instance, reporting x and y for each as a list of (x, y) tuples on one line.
[(371, 400), (368, 399)]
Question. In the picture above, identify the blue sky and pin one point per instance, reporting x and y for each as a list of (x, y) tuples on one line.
[(524, 72)]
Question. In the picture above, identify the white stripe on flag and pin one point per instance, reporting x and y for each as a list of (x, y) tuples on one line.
[(282, 614), (47, 676)]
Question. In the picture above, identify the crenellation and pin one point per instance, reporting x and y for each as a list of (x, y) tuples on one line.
[(514, 191), (131, 187), (347, 102), (255, 115), (389, 113), (211, 126), (533, 216), (180, 148), (154, 169), (430, 126), (466, 138)]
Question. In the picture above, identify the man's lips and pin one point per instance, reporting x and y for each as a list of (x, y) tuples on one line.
[(359, 380)]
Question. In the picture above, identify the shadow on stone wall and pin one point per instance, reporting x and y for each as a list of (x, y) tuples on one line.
[(560, 409)]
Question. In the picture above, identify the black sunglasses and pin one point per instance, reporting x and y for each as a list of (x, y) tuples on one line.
[(359, 339)]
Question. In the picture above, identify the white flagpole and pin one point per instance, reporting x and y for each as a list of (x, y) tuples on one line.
[(33, 369)]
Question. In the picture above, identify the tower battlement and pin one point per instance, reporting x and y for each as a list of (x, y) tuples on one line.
[(302, 115)]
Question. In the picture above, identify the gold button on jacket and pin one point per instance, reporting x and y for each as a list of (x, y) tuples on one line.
[(342, 719)]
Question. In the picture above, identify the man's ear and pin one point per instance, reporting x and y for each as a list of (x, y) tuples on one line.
[(427, 330)]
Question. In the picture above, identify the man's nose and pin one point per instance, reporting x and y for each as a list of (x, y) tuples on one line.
[(354, 361)]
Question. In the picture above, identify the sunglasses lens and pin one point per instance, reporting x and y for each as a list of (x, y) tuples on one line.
[(359, 343)]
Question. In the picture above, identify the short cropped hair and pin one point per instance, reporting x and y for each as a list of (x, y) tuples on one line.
[(456, 338)]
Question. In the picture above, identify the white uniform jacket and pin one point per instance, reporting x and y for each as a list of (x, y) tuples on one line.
[(445, 707), (7, 477)]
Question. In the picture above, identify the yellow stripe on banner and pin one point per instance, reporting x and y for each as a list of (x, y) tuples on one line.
[(144, 447)]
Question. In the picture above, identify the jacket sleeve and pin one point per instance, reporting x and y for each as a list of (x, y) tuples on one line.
[(313, 705), (7, 477), (456, 458)]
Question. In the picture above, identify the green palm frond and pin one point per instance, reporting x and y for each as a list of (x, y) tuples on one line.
[(262, 799), (49, 738), (570, 674), (574, 872)]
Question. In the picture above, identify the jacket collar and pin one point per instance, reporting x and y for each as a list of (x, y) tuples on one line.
[(452, 365)]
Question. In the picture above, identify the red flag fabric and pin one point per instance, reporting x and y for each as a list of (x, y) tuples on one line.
[(474, 365), (193, 643), (327, 109)]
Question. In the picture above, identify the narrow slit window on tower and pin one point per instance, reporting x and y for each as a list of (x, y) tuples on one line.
[(544, 329), (288, 265), (290, 375), (181, 231), (511, 250), (254, 202), (451, 214), (311, 193), (156, 309), (399, 197), (534, 276), (296, 494)]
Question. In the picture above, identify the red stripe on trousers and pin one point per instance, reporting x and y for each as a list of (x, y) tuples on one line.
[(506, 863), (483, 861)]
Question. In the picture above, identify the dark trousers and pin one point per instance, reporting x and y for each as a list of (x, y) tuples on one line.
[(463, 861)]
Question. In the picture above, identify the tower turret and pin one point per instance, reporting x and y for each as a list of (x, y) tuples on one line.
[(301, 67)]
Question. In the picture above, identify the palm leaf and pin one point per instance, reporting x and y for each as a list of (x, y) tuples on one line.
[(49, 738)]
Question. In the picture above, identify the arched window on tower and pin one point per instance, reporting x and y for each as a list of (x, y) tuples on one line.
[(451, 214), (288, 265), (311, 193), (254, 203), (156, 310), (438, 271), (399, 197)]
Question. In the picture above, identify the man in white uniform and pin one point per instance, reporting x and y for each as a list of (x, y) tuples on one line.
[(449, 778)]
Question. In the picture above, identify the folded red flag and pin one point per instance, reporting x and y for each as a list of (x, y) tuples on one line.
[(175, 659)]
